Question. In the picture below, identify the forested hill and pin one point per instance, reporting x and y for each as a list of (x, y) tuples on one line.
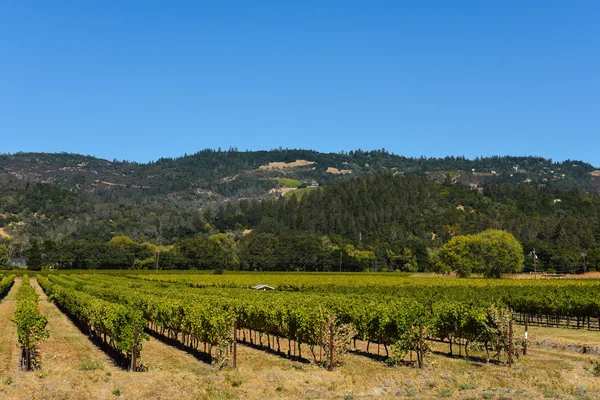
[(387, 214), (233, 174), (375, 206)]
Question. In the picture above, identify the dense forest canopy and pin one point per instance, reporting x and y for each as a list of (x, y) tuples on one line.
[(364, 210)]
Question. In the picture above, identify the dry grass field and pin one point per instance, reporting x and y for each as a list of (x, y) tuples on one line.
[(72, 367), (283, 165)]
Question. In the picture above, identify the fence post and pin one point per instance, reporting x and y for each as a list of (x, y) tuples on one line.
[(525, 343), (510, 342), (331, 346)]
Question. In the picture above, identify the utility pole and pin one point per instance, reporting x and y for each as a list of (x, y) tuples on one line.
[(533, 253), (159, 231), (341, 259), (584, 255)]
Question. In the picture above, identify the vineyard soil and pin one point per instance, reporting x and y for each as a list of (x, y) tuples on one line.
[(9, 357)]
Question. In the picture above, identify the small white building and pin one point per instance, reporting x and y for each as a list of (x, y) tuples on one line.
[(263, 287)]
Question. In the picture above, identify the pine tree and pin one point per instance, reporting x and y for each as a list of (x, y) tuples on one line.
[(34, 259)]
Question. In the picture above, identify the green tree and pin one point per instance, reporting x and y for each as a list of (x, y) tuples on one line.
[(256, 251), (34, 256), (409, 260), (221, 252), (491, 253), (4, 259)]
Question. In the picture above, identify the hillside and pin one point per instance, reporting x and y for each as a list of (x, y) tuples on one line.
[(233, 173), (278, 206)]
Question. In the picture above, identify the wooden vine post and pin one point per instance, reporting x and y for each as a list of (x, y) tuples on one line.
[(134, 350), (421, 347), (510, 343), (27, 352), (331, 337), (235, 345), (321, 344)]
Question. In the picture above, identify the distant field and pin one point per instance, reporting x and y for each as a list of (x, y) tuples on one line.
[(299, 193), (288, 182)]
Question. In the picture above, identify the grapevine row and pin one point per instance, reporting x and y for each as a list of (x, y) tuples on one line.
[(118, 327), (31, 325), (300, 317)]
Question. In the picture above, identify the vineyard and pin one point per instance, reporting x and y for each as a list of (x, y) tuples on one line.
[(318, 320), (314, 318)]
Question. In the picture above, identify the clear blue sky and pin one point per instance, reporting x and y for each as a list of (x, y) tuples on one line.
[(139, 80)]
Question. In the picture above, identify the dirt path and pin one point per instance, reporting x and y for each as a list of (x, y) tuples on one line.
[(67, 348), (34, 283), (9, 354)]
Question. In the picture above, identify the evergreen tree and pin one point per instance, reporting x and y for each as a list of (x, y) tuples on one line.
[(34, 256), (4, 260)]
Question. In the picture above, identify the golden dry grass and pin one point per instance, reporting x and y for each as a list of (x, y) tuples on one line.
[(260, 375), (336, 171), (9, 354), (283, 165), (587, 275), (561, 335)]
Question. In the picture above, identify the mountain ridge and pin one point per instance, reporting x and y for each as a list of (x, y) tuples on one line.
[(230, 173)]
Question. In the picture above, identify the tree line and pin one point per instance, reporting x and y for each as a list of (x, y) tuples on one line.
[(377, 222)]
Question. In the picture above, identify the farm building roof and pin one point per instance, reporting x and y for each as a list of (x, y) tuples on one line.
[(262, 287)]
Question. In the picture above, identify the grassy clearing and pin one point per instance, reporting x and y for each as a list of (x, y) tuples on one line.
[(288, 182), (452, 174), (299, 193)]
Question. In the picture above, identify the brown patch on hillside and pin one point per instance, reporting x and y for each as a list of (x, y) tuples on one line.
[(595, 173), (246, 232), (3, 233), (121, 184), (336, 171), (282, 191), (230, 178), (204, 192), (282, 165)]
